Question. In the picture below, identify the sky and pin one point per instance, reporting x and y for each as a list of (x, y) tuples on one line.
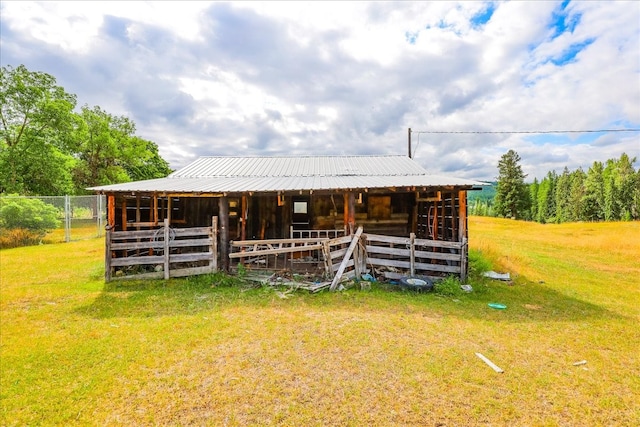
[(350, 78)]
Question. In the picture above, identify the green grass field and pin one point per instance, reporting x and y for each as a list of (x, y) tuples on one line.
[(199, 351)]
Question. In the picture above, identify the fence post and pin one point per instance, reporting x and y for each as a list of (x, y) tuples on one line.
[(214, 244), (67, 218), (326, 254), (107, 255), (412, 254), (99, 213), (166, 249), (464, 257)]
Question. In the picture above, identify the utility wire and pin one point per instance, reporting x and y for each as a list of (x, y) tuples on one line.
[(480, 132), (523, 131)]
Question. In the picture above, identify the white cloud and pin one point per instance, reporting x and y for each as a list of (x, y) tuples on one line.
[(346, 77)]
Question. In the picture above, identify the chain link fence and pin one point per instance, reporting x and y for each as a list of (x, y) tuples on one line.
[(79, 217)]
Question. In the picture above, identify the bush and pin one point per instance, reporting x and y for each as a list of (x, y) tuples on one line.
[(18, 237), (478, 264), (29, 214)]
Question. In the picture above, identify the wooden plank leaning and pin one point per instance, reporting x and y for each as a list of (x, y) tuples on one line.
[(354, 244)]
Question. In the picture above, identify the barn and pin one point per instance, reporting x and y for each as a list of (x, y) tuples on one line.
[(283, 198)]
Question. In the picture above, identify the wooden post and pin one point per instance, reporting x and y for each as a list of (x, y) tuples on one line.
[(463, 235), (214, 244), (454, 216), (462, 215), (326, 253), (464, 265), (349, 212), (168, 216), (345, 200), (443, 217), (111, 210), (352, 212), (107, 253), (357, 260), (124, 214), (243, 218), (223, 213), (155, 209), (166, 249), (138, 219), (412, 254)]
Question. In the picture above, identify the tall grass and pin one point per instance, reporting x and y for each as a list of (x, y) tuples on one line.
[(210, 351)]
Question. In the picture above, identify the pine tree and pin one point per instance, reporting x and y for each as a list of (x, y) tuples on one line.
[(512, 197), (593, 199), (561, 196), (546, 199), (576, 195), (533, 196)]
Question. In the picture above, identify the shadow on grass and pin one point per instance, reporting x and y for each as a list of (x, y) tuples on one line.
[(526, 301), (151, 298)]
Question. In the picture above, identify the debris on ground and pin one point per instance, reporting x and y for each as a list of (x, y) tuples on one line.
[(490, 363), (497, 276), (287, 279)]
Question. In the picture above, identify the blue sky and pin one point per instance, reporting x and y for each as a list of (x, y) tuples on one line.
[(283, 78)]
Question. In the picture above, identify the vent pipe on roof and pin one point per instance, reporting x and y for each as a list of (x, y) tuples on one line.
[(409, 147)]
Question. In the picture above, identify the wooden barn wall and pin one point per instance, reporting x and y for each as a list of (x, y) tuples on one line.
[(437, 215), (442, 215)]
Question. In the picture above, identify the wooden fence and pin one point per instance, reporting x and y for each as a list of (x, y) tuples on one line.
[(176, 252), (351, 256), (161, 253), (411, 256)]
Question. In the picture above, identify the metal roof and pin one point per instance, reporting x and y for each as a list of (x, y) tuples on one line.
[(285, 174), (299, 166)]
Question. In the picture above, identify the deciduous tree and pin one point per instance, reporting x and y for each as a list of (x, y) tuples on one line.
[(34, 112)]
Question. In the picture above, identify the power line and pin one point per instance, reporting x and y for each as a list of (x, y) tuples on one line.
[(522, 131)]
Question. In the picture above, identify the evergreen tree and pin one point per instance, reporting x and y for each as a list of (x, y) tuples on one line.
[(635, 204), (625, 182), (610, 191), (546, 199), (593, 199), (533, 196), (512, 197), (561, 196), (576, 194)]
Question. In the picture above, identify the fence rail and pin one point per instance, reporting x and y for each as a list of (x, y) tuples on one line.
[(350, 256), (426, 257), (161, 253), (167, 252)]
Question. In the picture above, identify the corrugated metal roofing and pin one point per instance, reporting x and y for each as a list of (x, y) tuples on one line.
[(299, 166), (273, 174)]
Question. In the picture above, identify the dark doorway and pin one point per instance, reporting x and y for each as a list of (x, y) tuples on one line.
[(301, 213)]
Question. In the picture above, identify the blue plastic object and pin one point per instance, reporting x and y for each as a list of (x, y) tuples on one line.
[(497, 306)]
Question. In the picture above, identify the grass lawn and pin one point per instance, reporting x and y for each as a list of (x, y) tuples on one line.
[(199, 351)]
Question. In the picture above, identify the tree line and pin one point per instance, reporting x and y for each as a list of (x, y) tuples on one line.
[(49, 148), (607, 191)]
